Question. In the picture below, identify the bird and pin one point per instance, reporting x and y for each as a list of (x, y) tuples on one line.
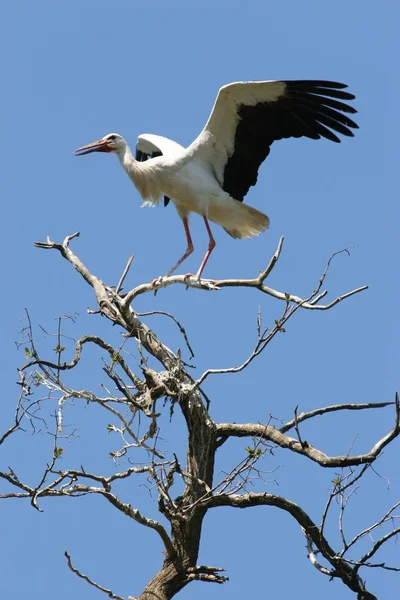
[(212, 176)]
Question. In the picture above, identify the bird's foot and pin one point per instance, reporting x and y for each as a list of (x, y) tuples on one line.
[(188, 277), (197, 282), (157, 281)]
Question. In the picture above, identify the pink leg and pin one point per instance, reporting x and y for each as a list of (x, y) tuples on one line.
[(189, 248), (211, 246)]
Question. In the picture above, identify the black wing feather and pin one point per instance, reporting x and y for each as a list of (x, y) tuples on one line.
[(315, 100), (306, 109), (142, 157), (334, 114)]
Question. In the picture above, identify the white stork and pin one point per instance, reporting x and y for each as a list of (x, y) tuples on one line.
[(213, 175)]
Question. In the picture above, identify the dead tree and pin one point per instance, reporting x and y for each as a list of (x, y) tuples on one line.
[(140, 393)]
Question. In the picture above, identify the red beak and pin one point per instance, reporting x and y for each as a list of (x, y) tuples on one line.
[(99, 146)]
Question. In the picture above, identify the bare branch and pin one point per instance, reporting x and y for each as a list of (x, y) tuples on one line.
[(340, 568), (18, 415), (386, 517), (79, 489), (207, 574), (12, 478), (263, 338), (124, 274), (49, 468), (87, 339), (312, 556), (332, 408), (296, 426), (135, 514), (363, 560), (260, 346), (274, 259), (217, 284), (274, 435), (122, 314), (106, 481), (258, 283), (340, 487), (98, 286), (109, 593), (181, 328)]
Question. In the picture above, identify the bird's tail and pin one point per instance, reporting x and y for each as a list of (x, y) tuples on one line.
[(239, 220)]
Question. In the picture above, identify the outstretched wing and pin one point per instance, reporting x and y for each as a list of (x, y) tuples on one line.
[(149, 145), (248, 117)]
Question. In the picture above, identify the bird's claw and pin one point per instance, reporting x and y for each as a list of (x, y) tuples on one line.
[(187, 277), (157, 281), (156, 284)]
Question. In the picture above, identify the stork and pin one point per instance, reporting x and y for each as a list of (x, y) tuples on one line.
[(212, 176)]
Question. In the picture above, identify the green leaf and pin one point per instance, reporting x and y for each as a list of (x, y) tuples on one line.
[(254, 452), (28, 353), (279, 326), (58, 349), (115, 358), (58, 452), (37, 378)]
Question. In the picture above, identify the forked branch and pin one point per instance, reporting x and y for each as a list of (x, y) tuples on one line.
[(204, 284), (339, 567), (256, 282), (271, 434)]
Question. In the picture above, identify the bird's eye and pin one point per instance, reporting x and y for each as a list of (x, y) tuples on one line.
[(112, 137)]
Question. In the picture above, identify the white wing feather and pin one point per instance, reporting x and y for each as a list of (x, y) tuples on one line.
[(149, 143)]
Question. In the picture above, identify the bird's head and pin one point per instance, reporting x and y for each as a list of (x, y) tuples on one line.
[(112, 142)]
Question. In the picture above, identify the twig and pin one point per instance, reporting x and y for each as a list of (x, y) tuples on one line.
[(124, 274), (49, 468), (181, 328), (17, 415), (135, 514), (274, 259), (287, 314), (363, 560), (296, 426), (109, 593), (115, 356), (339, 489), (386, 517), (332, 408), (261, 344), (312, 556)]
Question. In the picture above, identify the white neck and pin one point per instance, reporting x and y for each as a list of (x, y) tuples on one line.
[(128, 163), (138, 173)]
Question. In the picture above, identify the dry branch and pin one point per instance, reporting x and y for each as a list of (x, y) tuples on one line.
[(109, 593), (271, 434), (340, 568), (332, 408), (257, 282)]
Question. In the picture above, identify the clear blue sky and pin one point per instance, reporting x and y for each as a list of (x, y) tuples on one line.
[(72, 72)]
